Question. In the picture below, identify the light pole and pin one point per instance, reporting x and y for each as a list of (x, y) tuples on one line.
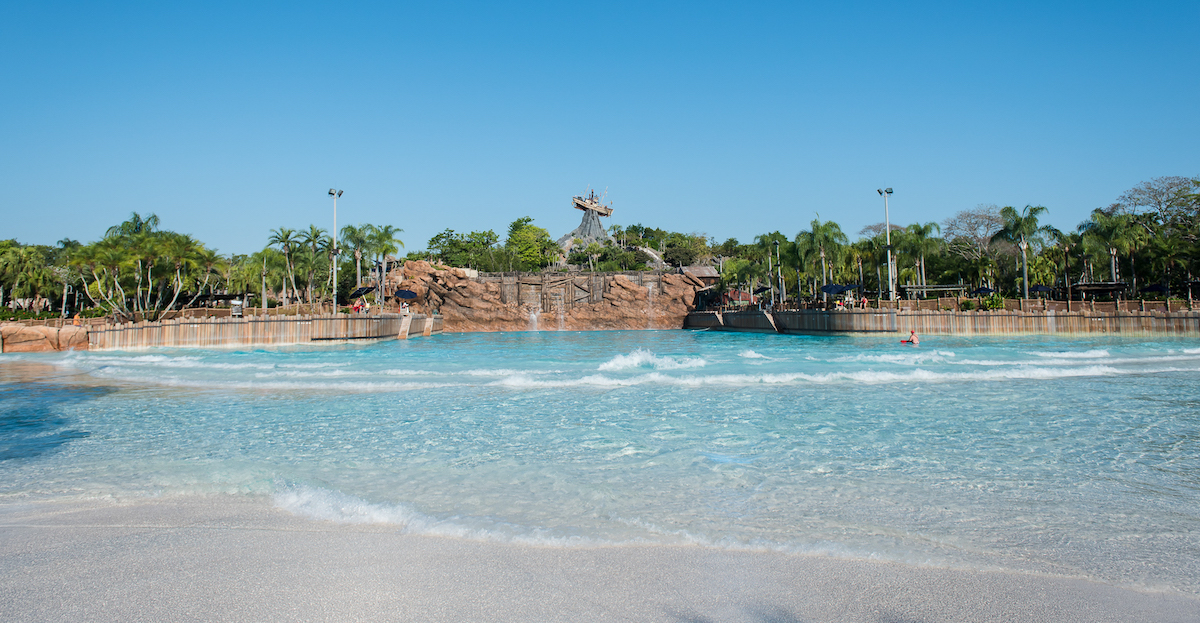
[(335, 194), (887, 228), (779, 270)]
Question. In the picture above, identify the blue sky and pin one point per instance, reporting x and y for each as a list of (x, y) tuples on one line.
[(730, 119)]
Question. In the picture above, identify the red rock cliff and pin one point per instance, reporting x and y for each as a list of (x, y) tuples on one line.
[(468, 305)]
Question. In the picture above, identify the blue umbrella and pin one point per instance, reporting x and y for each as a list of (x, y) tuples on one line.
[(1040, 288), (406, 294), (982, 291)]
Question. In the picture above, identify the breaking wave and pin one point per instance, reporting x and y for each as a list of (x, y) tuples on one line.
[(642, 358), (1074, 354), (862, 376)]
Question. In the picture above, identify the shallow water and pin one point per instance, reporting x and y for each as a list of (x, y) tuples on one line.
[(1064, 456)]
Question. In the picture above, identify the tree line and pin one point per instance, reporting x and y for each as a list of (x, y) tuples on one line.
[(1146, 239)]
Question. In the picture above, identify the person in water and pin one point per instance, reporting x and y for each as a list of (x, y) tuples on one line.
[(912, 338)]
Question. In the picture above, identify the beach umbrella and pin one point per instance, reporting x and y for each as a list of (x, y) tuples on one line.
[(982, 291), (406, 294), (361, 291), (1040, 288), (833, 288), (762, 289)]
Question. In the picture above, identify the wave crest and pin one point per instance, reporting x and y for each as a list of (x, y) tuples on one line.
[(642, 358)]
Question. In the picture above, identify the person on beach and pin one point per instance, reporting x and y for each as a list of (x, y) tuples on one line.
[(77, 322)]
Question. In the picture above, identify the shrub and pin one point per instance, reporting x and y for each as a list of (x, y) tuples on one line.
[(966, 305)]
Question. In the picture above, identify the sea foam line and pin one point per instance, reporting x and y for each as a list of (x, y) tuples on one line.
[(868, 377)]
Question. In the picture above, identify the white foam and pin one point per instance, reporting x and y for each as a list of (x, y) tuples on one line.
[(907, 357), (326, 505), (482, 372), (749, 354), (139, 376), (871, 377), (642, 358), (1074, 354)]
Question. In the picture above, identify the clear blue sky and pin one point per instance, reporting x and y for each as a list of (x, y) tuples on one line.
[(731, 119)]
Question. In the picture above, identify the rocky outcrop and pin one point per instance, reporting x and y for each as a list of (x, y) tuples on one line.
[(18, 338), (469, 305)]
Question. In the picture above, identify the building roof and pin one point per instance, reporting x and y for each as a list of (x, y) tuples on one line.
[(701, 271)]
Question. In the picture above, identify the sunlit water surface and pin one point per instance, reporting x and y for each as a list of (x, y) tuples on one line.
[(1064, 456)]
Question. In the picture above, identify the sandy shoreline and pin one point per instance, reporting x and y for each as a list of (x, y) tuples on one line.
[(227, 559)]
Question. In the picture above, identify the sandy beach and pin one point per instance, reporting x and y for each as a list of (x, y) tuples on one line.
[(238, 559)]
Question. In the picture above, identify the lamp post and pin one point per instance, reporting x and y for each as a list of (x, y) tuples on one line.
[(335, 194), (779, 270), (887, 228)]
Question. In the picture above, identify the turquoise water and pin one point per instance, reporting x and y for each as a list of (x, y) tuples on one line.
[(1065, 456)]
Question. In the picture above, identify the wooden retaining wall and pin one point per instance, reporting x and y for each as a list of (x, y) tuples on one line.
[(931, 322), (266, 330)]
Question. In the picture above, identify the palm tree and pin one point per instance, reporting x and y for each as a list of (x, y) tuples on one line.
[(210, 263), (825, 240), (134, 225), (357, 238), (286, 240), (383, 242), (1018, 229), (183, 251), (920, 243), (1116, 233), (312, 241)]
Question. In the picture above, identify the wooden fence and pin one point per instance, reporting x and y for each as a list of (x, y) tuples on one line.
[(933, 322), (267, 330)]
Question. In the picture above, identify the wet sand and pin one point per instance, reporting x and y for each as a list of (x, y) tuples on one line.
[(237, 559)]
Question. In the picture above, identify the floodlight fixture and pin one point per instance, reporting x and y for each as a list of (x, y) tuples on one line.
[(336, 251), (887, 232)]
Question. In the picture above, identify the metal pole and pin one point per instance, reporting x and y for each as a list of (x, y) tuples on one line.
[(335, 254), (779, 271), (264, 286), (887, 228)]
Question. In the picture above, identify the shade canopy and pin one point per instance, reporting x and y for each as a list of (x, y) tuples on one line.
[(982, 291), (361, 291), (406, 294), (1040, 288), (835, 288)]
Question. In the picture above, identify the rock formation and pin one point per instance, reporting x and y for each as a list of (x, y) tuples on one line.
[(18, 338), (469, 305)]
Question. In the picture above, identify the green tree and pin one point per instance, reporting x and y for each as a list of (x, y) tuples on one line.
[(824, 241), (533, 245), (286, 239), (356, 238), (1018, 228)]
